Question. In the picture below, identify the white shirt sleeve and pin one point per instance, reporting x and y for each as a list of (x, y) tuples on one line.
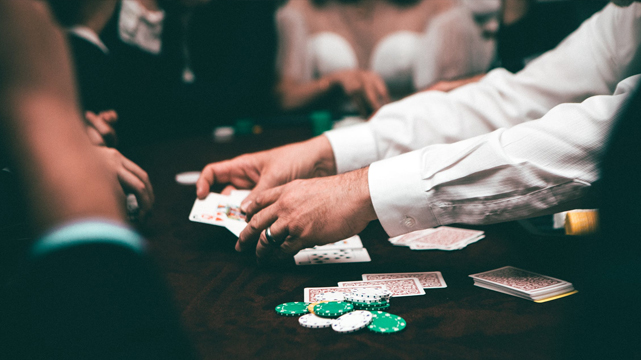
[(505, 175), (509, 167), (591, 61)]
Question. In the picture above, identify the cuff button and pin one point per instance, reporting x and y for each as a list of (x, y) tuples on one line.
[(408, 222)]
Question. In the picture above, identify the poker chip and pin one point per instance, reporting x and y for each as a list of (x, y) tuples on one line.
[(333, 308), (312, 321), (370, 294), (292, 308), (386, 323), (375, 306), (352, 321), (370, 303), (331, 296), (310, 307)]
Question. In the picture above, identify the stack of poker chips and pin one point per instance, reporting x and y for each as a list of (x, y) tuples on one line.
[(347, 312)]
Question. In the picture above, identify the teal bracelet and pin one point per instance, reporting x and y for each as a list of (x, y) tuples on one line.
[(85, 232)]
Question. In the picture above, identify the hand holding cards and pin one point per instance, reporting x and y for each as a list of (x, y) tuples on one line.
[(224, 210)]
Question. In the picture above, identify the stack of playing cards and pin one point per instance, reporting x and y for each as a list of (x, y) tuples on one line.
[(442, 238), (524, 284), (224, 210)]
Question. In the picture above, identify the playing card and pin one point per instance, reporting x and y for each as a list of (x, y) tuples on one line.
[(518, 280), (445, 237), (221, 210), (336, 256), (398, 287), (311, 293), (428, 279), (353, 242), (457, 246), (211, 210), (406, 239)]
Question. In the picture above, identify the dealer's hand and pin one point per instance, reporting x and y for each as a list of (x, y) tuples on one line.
[(267, 169), (304, 213)]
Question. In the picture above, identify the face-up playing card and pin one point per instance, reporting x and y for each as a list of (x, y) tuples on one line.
[(211, 210), (221, 210), (428, 280), (336, 256), (353, 242), (518, 280), (311, 293), (398, 287)]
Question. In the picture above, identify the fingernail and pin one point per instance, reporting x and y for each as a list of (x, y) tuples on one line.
[(245, 205), (237, 247)]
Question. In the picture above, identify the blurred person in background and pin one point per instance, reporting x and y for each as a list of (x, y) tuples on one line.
[(100, 94), (360, 54), (88, 291)]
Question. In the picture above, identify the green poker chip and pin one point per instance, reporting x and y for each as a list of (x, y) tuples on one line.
[(333, 308), (372, 308), (292, 308), (370, 303), (386, 323)]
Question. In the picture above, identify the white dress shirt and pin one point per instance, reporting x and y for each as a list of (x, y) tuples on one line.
[(507, 147)]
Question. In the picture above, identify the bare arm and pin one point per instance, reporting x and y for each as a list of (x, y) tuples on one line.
[(41, 126)]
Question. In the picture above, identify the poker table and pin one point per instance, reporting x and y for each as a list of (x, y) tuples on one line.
[(226, 301)]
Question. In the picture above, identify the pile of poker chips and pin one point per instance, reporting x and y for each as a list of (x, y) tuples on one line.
[(346, 312)]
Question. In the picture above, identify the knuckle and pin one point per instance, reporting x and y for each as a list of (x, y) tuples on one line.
[(288, 247), (254, 223)]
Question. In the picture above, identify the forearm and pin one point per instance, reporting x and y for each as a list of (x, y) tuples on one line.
[(506, 175), (293, 95), (41, 126), (590, 62)]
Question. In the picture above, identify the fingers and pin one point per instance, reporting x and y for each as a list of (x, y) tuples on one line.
[(103, 126), (259, 198), (381, 89), (206, 180), (142, 175), (110, 116), (259, 222), (131, 182), (265, 249), (94, 136), (228, 189)]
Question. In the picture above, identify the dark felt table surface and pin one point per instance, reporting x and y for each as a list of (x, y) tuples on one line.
[(227, 302)]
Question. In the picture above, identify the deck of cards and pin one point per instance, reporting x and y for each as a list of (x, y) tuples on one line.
[(441, 238), (524, 284), (350, 250)]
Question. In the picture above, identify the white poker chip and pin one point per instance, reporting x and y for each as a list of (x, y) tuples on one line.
[(353, 321), (312, 321), (370, 294), (331, 296), (188, 178)]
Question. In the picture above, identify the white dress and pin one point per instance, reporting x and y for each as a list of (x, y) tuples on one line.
[(452, 45)]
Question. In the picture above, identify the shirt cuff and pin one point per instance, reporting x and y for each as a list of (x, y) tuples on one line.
[(354, 147), (396, 190), (85, 232)]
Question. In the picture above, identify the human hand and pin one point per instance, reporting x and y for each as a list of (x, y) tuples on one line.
[(449, 85), (304, 213), (131, 178), (267, 169), (365, 88), (100, 127)]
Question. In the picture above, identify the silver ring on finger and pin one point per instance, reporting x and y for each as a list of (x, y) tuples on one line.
[(270, 238)]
